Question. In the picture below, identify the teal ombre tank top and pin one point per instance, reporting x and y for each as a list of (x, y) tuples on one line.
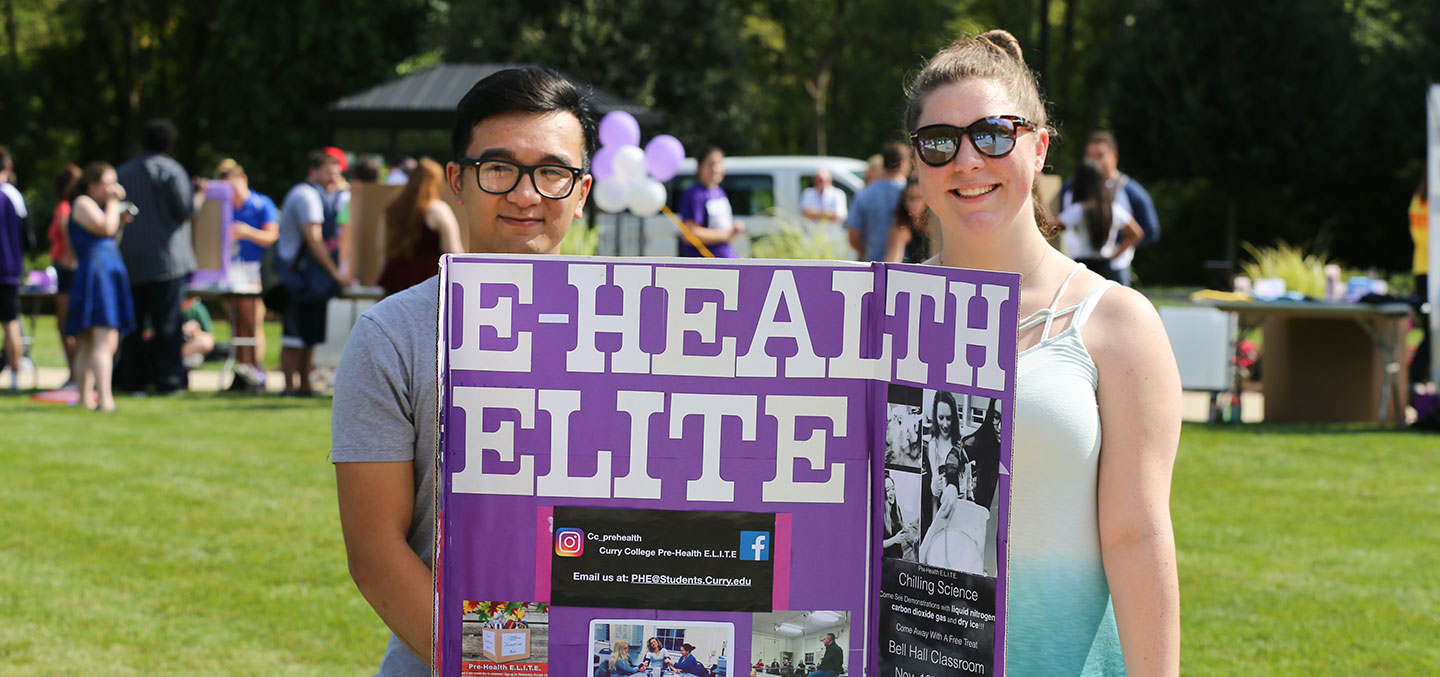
[(1060, 621)]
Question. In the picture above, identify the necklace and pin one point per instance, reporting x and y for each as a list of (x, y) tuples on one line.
[(1035, 267)]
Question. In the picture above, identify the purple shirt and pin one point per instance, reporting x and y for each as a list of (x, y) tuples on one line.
[(710, 208)]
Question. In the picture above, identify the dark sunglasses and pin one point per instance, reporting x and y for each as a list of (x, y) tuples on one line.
[(992, 137)]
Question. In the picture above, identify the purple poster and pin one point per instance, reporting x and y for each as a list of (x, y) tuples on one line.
[(664, 466)]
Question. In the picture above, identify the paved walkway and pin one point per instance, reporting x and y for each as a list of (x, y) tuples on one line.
[(50, 378)]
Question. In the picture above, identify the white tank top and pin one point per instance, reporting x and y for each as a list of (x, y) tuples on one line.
[(1060, 619)]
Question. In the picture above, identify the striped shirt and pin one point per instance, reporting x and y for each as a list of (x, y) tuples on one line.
[(157, 245)]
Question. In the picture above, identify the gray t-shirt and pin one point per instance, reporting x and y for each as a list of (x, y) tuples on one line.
[(384, 410), (302, 206)]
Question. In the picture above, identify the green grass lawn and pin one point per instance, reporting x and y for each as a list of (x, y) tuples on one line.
[(198, 535), (183, 535)]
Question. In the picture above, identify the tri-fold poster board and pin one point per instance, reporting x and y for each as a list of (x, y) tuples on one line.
[(719, 467)]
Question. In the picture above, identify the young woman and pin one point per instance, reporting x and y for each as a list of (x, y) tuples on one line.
[(705, 209), (688, 664), (910, 234), (618, 663), (255, 228), (897, 536), (419, 227), (655, 660), (1093, 220), (63, 256), (101, 310), (1090, 522)]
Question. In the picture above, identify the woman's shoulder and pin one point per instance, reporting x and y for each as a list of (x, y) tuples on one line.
[(1124, 328)]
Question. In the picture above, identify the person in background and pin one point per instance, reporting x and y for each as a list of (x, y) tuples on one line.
[(63, 258), (254, 229), (400, 170), (1099, 230), (822, 201), (705, 208), (159, 255), (13, 216), (874, 168), (418, 227), (619, 662), (308, 263), (874, 210), (910, 234), (199, 333), (100, 307), (1420, 235), (688, 664), (832, 664), (1102, 150), (655, 660), (366, 169)]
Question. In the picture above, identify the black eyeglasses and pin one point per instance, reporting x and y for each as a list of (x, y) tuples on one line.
[(992, 137), (499, 177)]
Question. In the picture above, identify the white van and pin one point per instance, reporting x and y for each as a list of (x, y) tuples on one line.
[(764, 190)]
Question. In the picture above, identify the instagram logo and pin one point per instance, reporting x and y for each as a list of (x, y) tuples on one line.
[(569, 542)]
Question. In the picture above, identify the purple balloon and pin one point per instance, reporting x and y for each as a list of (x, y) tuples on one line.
[(602, 166), (619, 128), (663, 156)]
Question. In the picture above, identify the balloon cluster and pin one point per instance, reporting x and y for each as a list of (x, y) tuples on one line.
[(627, 177)]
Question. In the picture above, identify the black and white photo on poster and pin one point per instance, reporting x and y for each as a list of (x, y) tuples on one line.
[(960, 471)]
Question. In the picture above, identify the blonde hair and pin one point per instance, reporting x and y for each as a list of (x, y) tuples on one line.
[(621, 649), (228, 169), (993, 55)]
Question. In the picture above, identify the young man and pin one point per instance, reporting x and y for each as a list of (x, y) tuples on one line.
[(383, 421), (308, 225), (874, 210), (159, 255)]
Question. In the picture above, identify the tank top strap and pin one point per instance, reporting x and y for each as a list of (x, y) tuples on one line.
[(1087, 304), (1048, 314)]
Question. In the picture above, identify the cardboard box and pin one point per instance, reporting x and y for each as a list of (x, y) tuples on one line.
[(504, 646)]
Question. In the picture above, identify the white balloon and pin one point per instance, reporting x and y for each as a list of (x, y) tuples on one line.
[(629, 163), (611, 194), (646, 197)]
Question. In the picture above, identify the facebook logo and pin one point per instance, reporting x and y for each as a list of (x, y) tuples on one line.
[(755, 546)]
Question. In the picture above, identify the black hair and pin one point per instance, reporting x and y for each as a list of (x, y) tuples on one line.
[(530, 89), (892, 154), (159, 136), (706, 150), (1091, 192), (65, 181)]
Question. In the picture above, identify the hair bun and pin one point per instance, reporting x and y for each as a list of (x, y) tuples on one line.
[(1005, 42)]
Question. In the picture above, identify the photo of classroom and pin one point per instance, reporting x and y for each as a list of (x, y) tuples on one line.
[(794, 643), (660, 647)]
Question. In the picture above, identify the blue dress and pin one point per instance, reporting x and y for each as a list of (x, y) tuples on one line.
[(100, 294)]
